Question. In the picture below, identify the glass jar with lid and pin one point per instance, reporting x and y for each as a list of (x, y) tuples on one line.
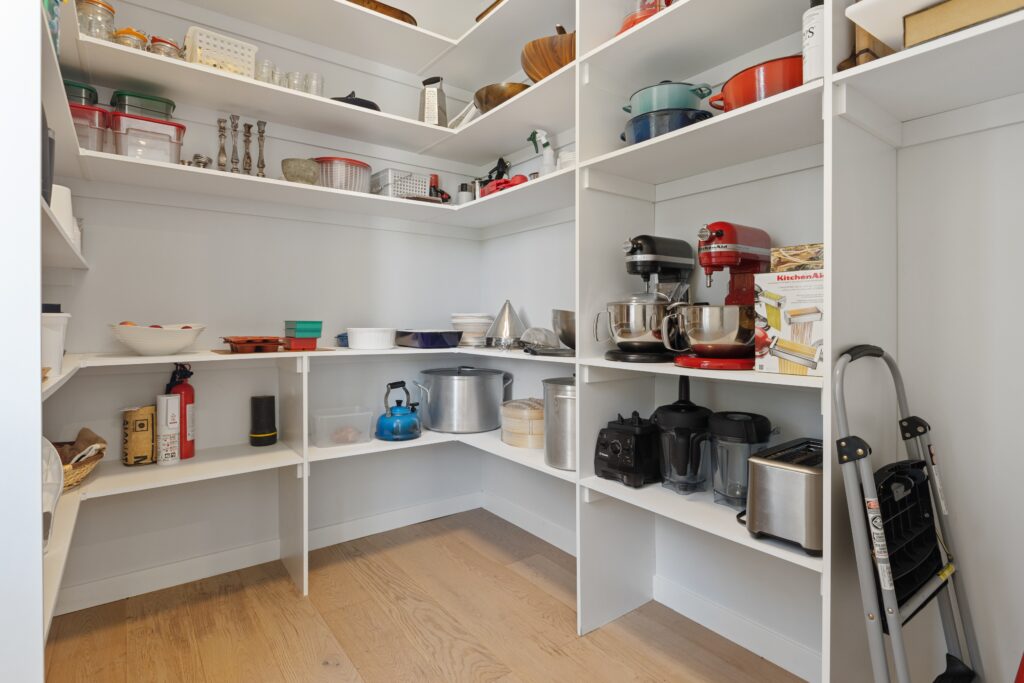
[(129, 37), (96, 19), (165, 47)]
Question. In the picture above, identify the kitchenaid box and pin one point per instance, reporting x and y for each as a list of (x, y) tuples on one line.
[(790, 311)]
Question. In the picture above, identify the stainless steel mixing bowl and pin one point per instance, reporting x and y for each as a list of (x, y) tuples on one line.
[(713, 331), (564, 325), (635, 324)]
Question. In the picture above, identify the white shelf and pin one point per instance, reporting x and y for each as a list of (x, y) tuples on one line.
[(699, 511), (56, 556), (428, 438), (691, 37), (104, 63), (55, 104), (516, 355), (112, 478), (527, 457), (343, 26), (549, 105), (917, 82), (747, 376), (535, 197), (489, 52), (785, 122), (69, 367), (57, 249)]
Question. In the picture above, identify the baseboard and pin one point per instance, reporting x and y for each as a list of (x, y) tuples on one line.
[(84, 595), (789, 654), (541, 527), (394, 519)]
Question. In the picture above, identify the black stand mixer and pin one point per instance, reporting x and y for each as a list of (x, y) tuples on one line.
[(634, 323)]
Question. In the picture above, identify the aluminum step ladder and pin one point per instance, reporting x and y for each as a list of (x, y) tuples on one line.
[(872, 551)]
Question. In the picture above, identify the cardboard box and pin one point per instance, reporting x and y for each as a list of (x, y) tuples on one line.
[(951, 16), (791, 317)]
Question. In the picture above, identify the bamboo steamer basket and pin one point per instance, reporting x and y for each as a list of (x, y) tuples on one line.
[(522, 423)]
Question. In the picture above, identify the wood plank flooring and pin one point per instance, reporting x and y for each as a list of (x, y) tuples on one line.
[(463, 598)]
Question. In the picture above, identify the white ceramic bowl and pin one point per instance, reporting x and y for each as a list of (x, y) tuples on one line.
[(371, 338), (157, 341)]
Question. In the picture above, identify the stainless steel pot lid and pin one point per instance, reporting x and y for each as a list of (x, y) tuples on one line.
[(464, 372)]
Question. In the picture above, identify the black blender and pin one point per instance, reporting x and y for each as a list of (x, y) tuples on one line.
[(634, 323), (685, 456), (735, 436)]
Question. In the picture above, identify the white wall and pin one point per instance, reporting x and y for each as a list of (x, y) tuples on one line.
[(959, 245)]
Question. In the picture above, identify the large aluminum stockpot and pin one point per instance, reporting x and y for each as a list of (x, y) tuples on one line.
[(463, 400)]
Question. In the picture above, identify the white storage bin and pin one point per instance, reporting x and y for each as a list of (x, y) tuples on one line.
[(371, 338), (341, 427), (55, 331)]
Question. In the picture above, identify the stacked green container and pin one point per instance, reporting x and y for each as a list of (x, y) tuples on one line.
[(303, 329), (138, 104)]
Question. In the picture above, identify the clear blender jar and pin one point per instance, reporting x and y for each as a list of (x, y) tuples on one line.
[(735, 436)]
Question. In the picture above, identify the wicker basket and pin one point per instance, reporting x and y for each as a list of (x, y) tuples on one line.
[(392, 182), (76, 474), (203, 46)]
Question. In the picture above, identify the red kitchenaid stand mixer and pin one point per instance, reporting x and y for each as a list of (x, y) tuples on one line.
[(744, 251)]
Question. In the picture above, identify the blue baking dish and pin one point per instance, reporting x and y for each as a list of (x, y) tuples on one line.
[(428, 339)]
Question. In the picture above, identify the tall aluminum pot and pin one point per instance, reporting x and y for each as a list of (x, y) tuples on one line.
[(560, 422), (463, 400)]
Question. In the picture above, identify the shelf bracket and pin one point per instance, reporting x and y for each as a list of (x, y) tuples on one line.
[(597, 375), (623, 187), (592, 496), (866, 114)]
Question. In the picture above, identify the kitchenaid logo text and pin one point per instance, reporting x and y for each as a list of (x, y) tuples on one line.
[(808, 276)]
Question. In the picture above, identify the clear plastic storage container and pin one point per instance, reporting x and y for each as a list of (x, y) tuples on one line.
[(145, 138), (341, 427), (90, 125)]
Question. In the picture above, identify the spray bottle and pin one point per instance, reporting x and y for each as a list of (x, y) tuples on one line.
[(541, 144)]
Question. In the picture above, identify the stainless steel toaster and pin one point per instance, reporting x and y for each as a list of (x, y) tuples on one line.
[(784, 499)]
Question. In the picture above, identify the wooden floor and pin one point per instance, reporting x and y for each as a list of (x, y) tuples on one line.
[(463, 598)]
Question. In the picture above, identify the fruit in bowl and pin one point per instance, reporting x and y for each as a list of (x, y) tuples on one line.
[(157, 340)]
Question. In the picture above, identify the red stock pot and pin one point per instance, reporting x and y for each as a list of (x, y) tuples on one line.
[(760, 82)]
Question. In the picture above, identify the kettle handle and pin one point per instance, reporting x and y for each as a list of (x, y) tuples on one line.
[(387, 396)]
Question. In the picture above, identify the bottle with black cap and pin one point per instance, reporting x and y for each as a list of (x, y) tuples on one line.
[(263, 431)]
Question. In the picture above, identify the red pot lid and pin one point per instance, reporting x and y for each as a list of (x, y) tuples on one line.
[(327, 160)]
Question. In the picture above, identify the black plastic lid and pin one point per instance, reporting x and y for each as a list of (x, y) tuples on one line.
[(745, 427), (51, 308), (634, 423), (682, 415)]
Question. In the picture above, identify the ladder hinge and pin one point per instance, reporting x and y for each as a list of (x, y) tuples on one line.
[(851, 448), (913, 427)]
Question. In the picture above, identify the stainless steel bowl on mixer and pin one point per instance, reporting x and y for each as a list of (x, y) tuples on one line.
[(712, 331), (635, 324), (564, 325)]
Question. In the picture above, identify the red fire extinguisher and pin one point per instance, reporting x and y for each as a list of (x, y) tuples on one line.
[(179, 385)]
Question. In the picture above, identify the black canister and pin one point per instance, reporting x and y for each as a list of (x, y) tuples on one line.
[(48, 153), (264, 423)]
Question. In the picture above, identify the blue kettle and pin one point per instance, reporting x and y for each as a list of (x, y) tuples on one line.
[(398, 423)]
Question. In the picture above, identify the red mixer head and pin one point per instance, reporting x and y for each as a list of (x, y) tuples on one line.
[(741, 249)]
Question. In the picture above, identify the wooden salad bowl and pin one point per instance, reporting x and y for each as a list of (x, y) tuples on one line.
[(545, 56)]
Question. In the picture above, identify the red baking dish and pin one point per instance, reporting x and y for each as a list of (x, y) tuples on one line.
[(253, 344), (300, 344), (760, 82)]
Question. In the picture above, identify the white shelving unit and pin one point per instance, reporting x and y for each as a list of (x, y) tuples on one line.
[(56, 555), (58, 250), (845, 160)]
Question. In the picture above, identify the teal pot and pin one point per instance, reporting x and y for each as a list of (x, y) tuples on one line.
[(667, 95)]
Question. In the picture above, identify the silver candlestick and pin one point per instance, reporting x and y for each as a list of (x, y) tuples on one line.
[(261, 126), (247, 158), (234, 143), (222, 154)]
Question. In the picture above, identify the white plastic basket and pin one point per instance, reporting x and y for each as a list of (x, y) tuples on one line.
[(392, 182), (203, 46)]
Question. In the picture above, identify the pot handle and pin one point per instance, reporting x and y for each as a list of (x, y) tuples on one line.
[(717, 101), (597, 324), (666, 337), (628, 109), (701, 90), (424, 392)]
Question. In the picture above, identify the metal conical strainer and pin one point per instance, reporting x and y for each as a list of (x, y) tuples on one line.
[(507, 329)]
